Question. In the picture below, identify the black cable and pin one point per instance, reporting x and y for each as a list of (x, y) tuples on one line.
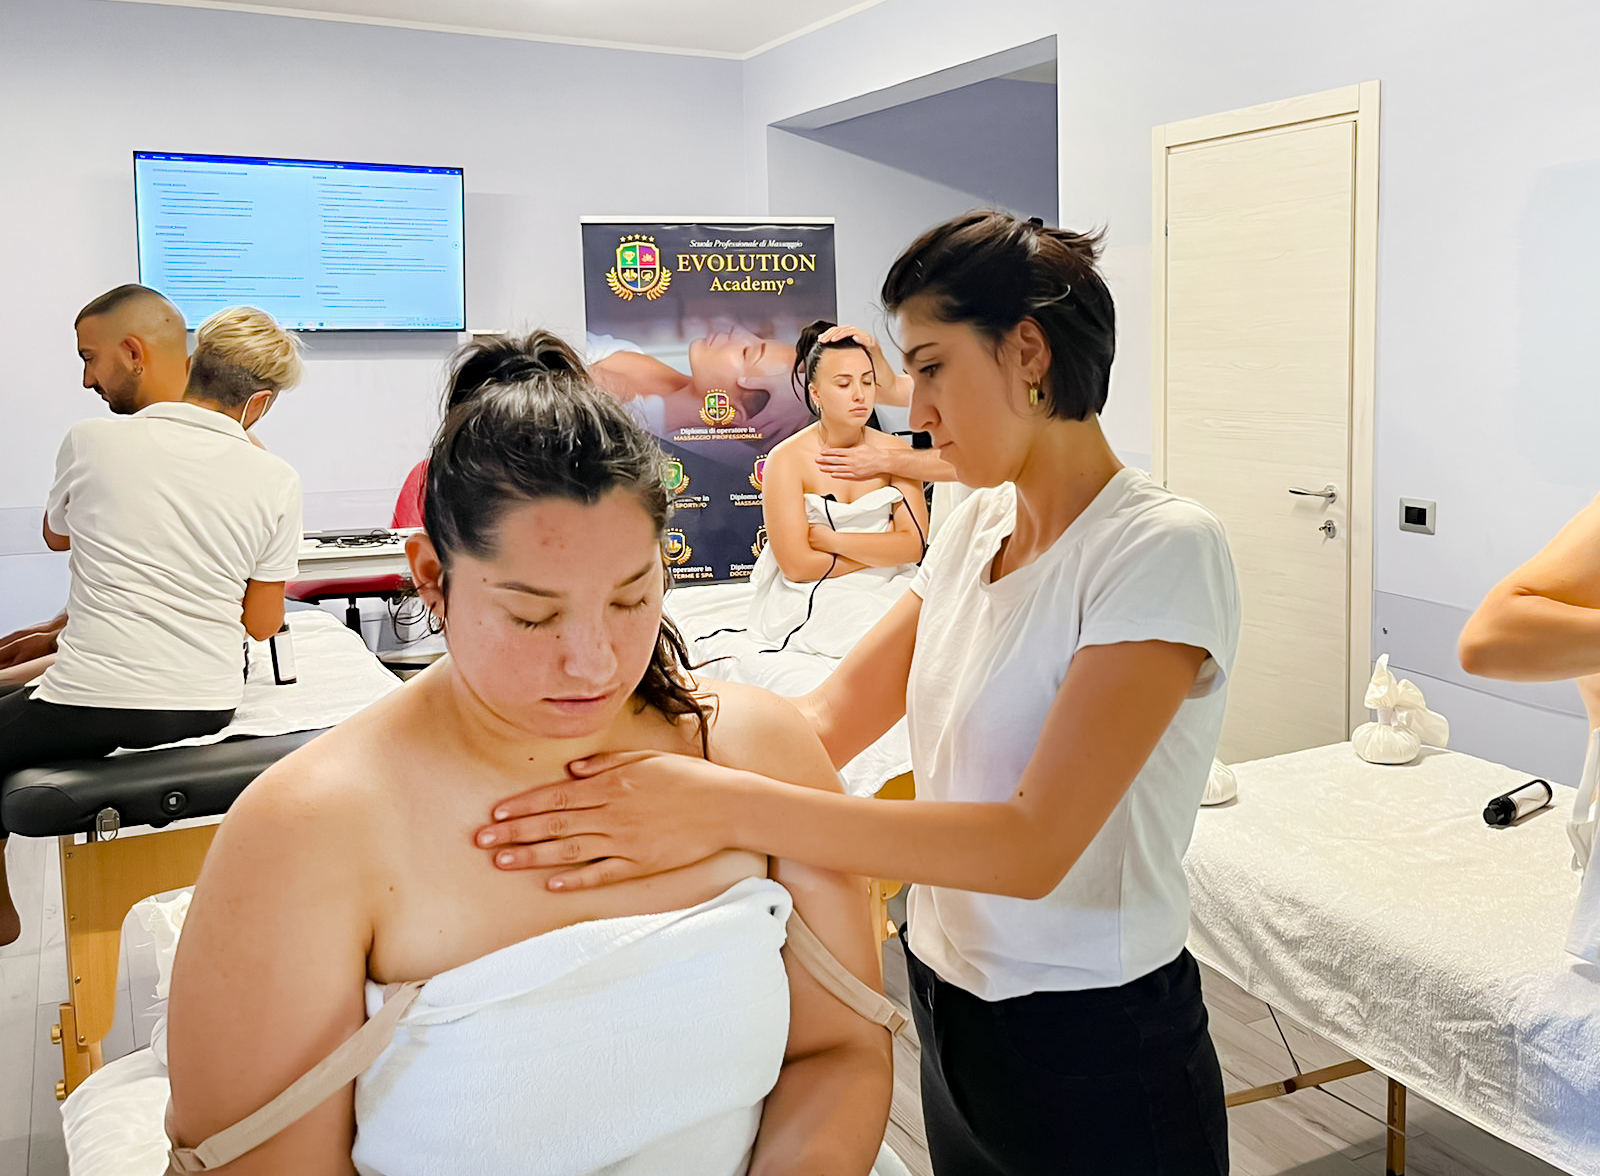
[(1293, 1060), (921, 534), (811, 600)]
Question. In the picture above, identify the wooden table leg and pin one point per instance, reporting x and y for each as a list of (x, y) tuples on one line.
[(100, 882), (1395, 1160)]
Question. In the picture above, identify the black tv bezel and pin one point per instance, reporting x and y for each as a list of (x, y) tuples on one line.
[(212, 157)]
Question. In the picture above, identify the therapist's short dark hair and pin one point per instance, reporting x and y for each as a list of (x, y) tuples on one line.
[(991, 270), (537, 426)]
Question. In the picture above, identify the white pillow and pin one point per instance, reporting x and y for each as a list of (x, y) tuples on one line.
[(162, 918)]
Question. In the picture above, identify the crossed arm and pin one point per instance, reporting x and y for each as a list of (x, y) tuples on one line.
[(808, 553)]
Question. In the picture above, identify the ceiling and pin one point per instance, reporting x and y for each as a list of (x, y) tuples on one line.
[(710, 28)]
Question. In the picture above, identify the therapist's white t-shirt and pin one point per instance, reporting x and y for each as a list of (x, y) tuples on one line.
[(169, 511), (1140, 564)]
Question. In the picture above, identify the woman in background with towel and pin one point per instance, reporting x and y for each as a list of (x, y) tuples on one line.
[(1061, 660), (651, 1029), (824, 529)]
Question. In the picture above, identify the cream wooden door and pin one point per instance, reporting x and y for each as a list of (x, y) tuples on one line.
[(1259, 361)]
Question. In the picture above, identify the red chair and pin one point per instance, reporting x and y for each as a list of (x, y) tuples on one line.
[(351, 589), (407, 513)]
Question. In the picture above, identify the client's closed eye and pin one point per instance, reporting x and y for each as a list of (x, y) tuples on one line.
[(635, 606)]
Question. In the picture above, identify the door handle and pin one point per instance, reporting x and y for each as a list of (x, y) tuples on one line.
[(1329, 493)]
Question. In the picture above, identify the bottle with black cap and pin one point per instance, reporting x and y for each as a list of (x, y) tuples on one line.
[(281, 647), (1512, 806)]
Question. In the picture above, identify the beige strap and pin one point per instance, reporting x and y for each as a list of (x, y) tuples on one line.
[(337, 1070), (826, 969)]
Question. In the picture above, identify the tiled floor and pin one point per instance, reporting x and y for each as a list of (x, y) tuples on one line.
[(1334, 1132)]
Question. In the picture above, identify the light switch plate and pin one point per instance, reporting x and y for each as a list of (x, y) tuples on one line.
[(1417, 515)]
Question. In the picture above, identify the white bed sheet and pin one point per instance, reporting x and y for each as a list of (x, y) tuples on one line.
[(702, 609), (1373, 904), (113, 1121), (336, 676)]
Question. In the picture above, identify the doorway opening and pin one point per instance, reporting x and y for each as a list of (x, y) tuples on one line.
[(889, 164)]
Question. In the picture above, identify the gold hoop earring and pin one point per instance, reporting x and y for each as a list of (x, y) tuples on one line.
[(1033, 395), (138, 369)]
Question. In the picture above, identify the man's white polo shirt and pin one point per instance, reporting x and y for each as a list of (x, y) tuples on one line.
[(169, 511)]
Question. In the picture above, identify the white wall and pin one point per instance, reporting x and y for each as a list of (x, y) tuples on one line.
[(546, 133), (1490, 228), (872, 203)]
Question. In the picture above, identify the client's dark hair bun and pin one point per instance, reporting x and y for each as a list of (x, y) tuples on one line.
[(503, 359)]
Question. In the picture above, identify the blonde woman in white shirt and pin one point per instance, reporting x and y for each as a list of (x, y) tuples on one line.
[(1062, 661)]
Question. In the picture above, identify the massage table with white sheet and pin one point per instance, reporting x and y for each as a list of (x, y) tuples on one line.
[(139, 823), (1374, 905), (703, 609)]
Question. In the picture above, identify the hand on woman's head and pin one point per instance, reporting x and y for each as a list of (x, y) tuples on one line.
[(844, 331)]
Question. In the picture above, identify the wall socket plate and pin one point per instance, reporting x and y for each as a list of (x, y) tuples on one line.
[(1417, 515)]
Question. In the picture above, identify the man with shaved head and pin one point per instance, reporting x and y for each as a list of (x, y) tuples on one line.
[(134, 348), (135, 353)]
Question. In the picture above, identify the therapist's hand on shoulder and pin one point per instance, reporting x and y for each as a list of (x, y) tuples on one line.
[(624, 814), (856, 464)]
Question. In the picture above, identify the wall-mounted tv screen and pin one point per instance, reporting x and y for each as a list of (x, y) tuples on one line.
[(320, 246)]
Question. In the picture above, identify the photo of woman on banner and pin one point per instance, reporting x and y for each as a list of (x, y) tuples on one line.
[(751, 372)]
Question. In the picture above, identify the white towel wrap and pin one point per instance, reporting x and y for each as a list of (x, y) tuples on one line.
[(645, 1045)]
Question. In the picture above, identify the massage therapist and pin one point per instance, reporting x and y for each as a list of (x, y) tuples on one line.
[(1062, 658)]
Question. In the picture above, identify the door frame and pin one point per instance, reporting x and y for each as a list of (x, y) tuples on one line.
[(1356, 104)]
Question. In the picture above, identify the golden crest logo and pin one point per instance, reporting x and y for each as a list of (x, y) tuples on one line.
[(638, 269), (718, 409), (760, 470), (673, 476), (676, 548), (760, 544)]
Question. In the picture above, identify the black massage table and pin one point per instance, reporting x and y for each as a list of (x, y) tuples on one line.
[(102, 876)]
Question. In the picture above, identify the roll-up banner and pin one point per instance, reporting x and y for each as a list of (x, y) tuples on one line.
[(692, 324)]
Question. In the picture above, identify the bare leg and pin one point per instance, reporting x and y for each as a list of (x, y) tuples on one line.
[(10, 921)]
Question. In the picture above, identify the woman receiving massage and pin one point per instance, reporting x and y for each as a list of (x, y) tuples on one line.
[(839, 553), (653, 1029)]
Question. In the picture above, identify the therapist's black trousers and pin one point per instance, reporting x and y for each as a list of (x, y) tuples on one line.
[(34, 733), (1109, 1082)]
